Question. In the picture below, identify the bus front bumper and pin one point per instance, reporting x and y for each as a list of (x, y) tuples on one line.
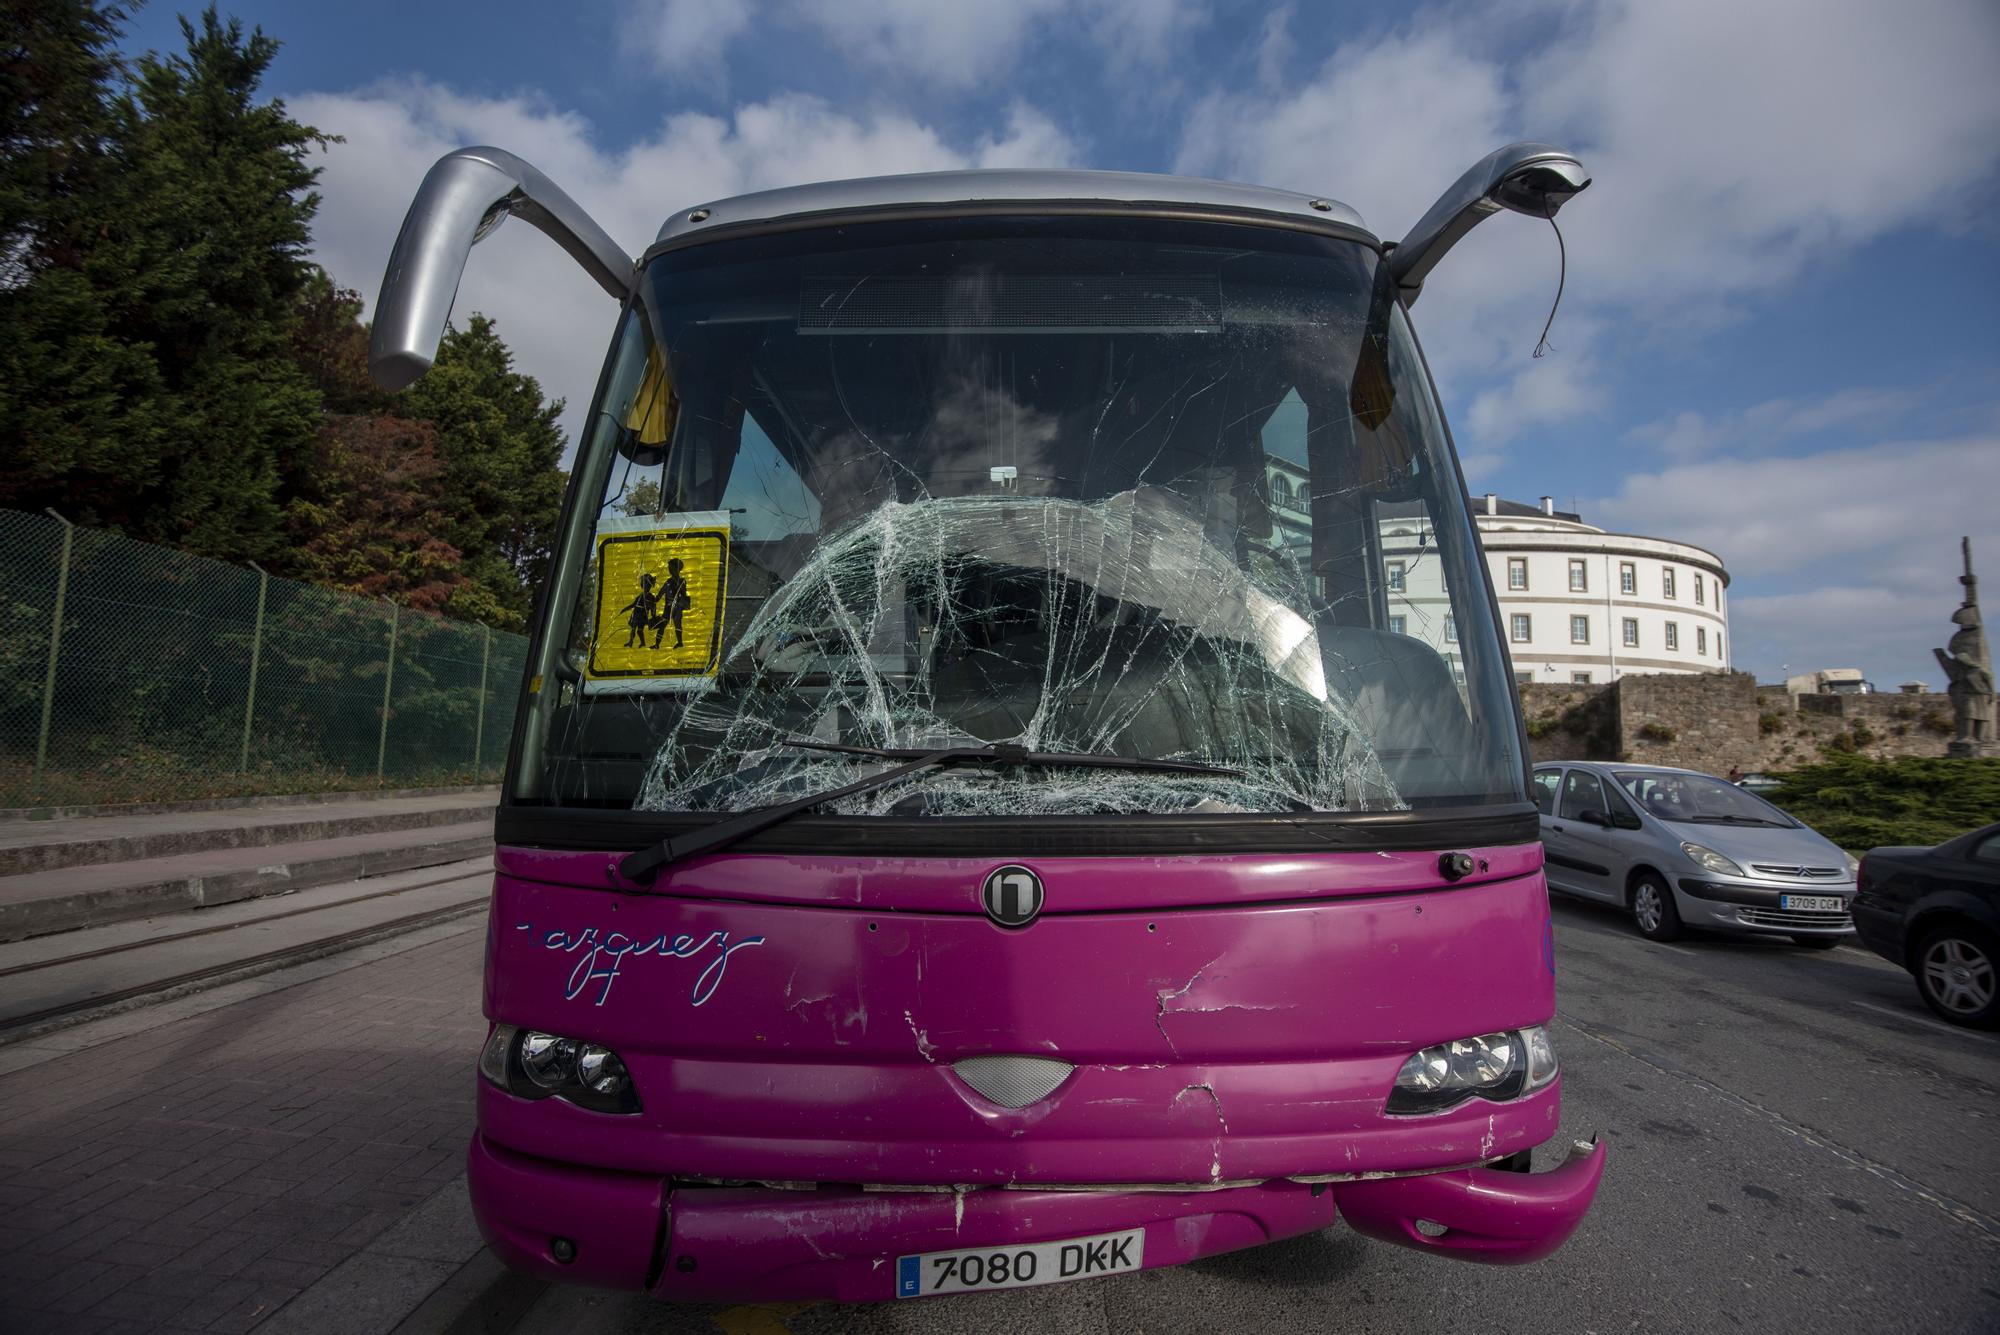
[(583, 1225)]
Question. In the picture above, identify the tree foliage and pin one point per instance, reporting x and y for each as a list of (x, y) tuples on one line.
[(1862, 804), (173, 365)]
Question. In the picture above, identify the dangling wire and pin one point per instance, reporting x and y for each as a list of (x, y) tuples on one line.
[(1562, 274)]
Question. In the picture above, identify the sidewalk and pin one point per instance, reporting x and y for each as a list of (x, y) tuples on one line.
[(195, 1165)]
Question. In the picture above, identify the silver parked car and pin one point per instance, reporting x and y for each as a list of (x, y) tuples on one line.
[(1681, 849)]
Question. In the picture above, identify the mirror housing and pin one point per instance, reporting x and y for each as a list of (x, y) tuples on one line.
[(1595, 818), (465, 195), (1535, 179), (1626, 820)]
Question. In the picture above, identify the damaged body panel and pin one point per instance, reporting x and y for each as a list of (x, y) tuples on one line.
[(1095, 850)]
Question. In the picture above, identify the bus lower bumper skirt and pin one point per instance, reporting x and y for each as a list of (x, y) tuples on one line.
[(582, 1225)]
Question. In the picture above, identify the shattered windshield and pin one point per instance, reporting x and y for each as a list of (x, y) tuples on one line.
[(1106, 486)]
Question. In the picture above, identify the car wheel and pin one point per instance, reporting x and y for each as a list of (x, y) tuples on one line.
[(1816, 942), (1654, 911), (1955, 968)]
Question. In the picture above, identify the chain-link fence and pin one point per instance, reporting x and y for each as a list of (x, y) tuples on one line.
[(130, 672)]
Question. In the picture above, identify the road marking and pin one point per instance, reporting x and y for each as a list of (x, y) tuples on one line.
[(1924, 1020)]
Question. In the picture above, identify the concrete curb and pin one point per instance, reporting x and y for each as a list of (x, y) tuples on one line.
[(142, 898), (88, 851), (8, 814)]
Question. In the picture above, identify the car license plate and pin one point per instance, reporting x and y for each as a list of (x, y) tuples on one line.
[(1813, 903), (1019, 1267)]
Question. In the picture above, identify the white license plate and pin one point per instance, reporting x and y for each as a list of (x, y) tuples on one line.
[(1814, 903), (986, 1268)]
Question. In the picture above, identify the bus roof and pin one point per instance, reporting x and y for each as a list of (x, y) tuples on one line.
[(1008, 186)]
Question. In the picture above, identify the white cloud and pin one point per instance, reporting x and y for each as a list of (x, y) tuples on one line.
[(1689, 434), (687, 38), (1853, 553), (1885, 632), (927, 42), (1732, 146), (557, 321), (1550, 390), (1879, 509)]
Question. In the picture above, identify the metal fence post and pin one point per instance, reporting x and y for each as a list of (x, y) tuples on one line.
[(479, 720), (55, 652), (256, 649), (388, 683)]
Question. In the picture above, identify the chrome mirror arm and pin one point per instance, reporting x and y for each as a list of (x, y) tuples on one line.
[(1535, 179), (465, 195)]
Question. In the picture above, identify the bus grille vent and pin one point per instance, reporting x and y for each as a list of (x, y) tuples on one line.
[(1013, 1082)]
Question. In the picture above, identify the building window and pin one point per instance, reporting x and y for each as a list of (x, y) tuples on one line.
[(1579, 679), (1631, 632), (1395, 577), (1718, 644), (1579, 630), (1524, 679), (1579, 577), (1701, 639), (1700, 596), (1628, 578), (1450, 629), (1398, 625), (1673, 635), (1519, 629), (1667, 581), (1517, 572)]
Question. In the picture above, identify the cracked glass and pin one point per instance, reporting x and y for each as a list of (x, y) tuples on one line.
[(1140, 487)]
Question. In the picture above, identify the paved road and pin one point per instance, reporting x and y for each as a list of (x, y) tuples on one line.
[(1795, 1145)]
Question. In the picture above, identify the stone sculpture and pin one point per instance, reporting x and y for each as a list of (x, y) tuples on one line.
[(1969, 668)]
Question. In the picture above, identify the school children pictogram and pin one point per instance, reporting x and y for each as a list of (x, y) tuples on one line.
[(662, 584)]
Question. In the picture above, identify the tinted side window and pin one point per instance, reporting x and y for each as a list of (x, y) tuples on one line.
[(1582, 793), (1546, 783), (1986, 850)]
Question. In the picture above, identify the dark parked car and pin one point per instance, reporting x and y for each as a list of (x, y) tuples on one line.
[(1936, 912)]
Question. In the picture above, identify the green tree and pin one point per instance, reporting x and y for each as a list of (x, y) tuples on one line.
[(219, 204), (502, 450), (78, 422)]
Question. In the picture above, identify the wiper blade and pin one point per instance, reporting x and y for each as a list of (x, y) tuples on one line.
[(1709, 819), (645, 864)]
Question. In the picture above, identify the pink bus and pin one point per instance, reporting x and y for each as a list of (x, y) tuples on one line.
[(984, 810)]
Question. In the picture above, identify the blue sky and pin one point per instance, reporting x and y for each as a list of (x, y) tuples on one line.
[(1779, 338)]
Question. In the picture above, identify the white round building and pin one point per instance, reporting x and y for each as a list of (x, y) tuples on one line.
[(1577, 604)]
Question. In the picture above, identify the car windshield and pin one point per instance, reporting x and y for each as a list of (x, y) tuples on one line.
[(1698, 798), (1111, 487)]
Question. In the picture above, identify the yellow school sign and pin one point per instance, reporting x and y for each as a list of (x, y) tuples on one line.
[(662, 585)]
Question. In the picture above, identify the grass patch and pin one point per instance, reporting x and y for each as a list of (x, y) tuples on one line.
[(1862, 804)]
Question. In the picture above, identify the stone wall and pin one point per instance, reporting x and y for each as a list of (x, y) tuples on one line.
[(1706, 721), (1722, 721)]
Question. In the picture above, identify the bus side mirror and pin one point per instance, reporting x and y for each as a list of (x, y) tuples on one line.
[(465, 195), (1535, 179)]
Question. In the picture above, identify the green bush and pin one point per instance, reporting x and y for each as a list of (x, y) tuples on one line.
[(1657, 732), (1770, 721), (1862, 804)]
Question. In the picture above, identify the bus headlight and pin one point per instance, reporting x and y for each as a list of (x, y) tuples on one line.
[(1498, 1067), (530, 1064)]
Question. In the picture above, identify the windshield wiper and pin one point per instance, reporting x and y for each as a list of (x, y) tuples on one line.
[(1709, 819), (645, 864)]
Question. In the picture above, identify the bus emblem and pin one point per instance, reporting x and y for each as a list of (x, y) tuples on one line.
[(1012, 895)]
